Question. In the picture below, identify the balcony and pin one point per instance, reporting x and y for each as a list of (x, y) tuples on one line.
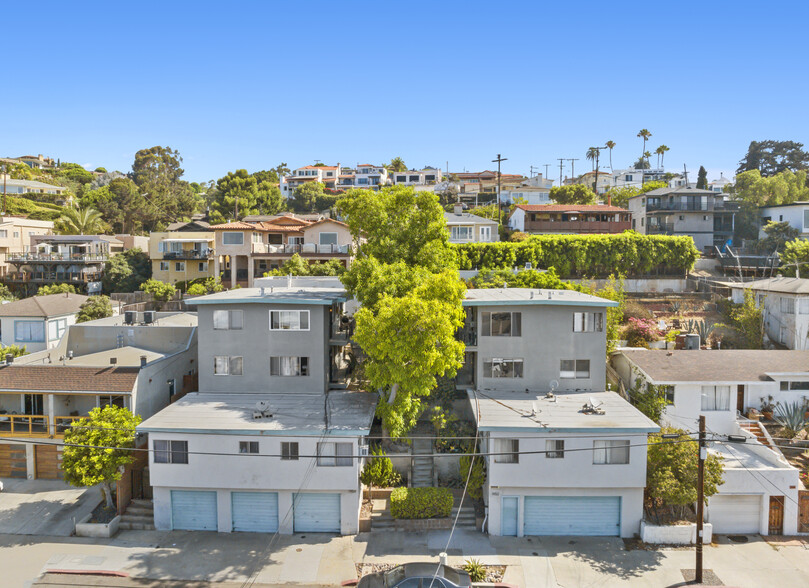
[(53, 277), (56, 258), (547, 226), (24, 425), (189, 254), (303, 249), (662, 229)]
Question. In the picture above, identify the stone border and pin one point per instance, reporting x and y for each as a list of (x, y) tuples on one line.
[(87, 529)]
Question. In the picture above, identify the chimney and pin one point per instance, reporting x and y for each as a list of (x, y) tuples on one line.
[(458, 208), (142, 361)]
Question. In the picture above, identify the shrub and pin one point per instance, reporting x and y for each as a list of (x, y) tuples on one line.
[(14, 350), (475, 569), (161, 291), (378, 470), (641, 331), (56, 289), (420, 503), (476, 479), (636, 310), (196, 290), (94, 308)]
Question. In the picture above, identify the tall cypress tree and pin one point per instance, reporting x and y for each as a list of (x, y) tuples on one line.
[(702, 179)]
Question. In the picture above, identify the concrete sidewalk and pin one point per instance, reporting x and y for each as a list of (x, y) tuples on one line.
[(44, 507), (179, 557)]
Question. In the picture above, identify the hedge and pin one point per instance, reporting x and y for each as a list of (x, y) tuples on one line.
[(420, 503), (630, 254)]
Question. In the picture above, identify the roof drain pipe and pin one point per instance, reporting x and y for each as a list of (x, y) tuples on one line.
[(485, 518)]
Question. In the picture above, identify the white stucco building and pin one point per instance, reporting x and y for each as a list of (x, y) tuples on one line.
[(796, 214), (465, 227)]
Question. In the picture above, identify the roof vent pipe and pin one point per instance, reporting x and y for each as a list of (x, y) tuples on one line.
[(9, 358), (142, 361)]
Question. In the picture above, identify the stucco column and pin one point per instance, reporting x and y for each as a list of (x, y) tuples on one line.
[(233, 262), (215, 266), (250, 271), (48, 405)]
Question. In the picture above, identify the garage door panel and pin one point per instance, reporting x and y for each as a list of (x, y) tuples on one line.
[(13, 463), (735, 513), (193, 510), (316, 513), (572, 515), (254, 512)]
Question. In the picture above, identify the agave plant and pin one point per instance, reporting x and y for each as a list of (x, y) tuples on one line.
[(704, 330), (690, 326), (791, 416), (676, 306)]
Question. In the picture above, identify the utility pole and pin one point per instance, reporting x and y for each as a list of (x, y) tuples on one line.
[(573, 167), (595, 181), (703, 454), (685, 173), (5, 175), (547, 165), (497, 161), (561, 159)]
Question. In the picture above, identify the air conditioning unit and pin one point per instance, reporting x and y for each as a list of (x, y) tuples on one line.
[(129, 317), (363, 451), (149, 317)]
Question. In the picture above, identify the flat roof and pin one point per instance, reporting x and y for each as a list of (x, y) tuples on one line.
[(128, 356), (162, 319), (299, 414), (742, 456), (453, 218), (523, 296), (781, 285), (532, 411), (273, 295), (726, 365)]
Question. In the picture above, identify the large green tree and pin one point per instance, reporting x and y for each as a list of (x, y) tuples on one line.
[(620, 196), (397, 164), (702, 179), (312, 197), (97, 448), (242, 193), (94, 308), (773, 157), (405, 277), (158, 174), (644, 134), (573, 194), (79, 221), (126, 271), (121, 205)]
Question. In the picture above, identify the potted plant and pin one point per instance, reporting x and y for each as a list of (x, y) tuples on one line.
[(767, 408), (753, 414)]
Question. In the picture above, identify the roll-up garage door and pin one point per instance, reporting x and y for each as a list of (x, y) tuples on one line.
[(735, 513), (313, 512), (255, 512), (572, 515), (193, 510)]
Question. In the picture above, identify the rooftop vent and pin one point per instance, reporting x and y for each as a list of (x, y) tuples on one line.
[(262, 410), (113, 360), (592, 407)]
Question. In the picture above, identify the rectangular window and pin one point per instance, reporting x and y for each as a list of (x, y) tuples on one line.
[(289, 320), (794, 386), (170, 451), (334, 454), (669, 390), (806, 219), (227, 366), (164, 266), (228, 320), (248, 446), (232, 238), (117, 400), (715, 398), (574, 368), (327, 238), (202, 266), (56, 328), (507, 451), (787, 305), (289, 366), (588, 322), (502, 368), (289, 451), (501, 324), (256, 237), (4, 234), (179, 266), (485, 234), (462, 233), (29, 331), (610, 452), (554, 449)]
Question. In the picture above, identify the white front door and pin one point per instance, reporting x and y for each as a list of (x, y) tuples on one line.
[(509, 511)]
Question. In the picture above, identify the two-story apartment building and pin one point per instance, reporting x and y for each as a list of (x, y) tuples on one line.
[(795, 213), (246, 250), (535, 190), (182, 256), (141, 366), (701, 214), (550, 219), (465, 227), (414, 177), (15, 236), (325, 174), (760, 491), (272, 442), (366, 176), (58, 259), (564, 456)]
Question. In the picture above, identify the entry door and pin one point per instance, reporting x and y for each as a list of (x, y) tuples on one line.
[(776, 515), (508, 516), (740, 398), (34, 404)]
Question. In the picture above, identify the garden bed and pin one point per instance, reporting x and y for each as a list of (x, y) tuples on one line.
[(102, 522), (493, 573)]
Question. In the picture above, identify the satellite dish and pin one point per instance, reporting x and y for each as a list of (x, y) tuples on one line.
[(595, 404), (262, 406), (554, 385)]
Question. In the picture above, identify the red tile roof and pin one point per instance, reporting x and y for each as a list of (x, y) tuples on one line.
[(318, 167), (68, 378), (569, 208), (237, 225)]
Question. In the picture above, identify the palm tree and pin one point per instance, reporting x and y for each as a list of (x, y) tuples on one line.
[(647, 155), (644, 134), (610, 145), (592, 153), (397, 164), (79, 221), (661, 154)]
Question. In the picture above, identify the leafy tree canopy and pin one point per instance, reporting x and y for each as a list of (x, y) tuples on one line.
[(573, 194), (773, 157), (15, 350), (782, 188), (56, 289), (96, 448), (312, 197), (121, 205), (298, 266), (778, 235), (94, 308), (796, 252), (620, 196), (161, 291), (80, 221), (157, 172), (243, 191), (702, 179), (397, 164), (126, 271)]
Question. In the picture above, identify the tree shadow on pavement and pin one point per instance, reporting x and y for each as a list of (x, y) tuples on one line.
[(605, 555)]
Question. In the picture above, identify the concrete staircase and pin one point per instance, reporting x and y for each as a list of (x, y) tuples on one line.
[(422, 467), (755, 428), (139, 515)]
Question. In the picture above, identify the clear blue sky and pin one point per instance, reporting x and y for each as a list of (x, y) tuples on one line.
[(250, 84)]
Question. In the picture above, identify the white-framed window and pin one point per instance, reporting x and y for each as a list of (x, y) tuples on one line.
[(256, 237), (170, 451), (501, 324), (588, 322), (327, 238), (29, 331), (56, 328), (248, 446), (554, 448), (574, 368), (794, 386), (715, 398), (502, 368), (806, 219), (289, 366), (203, 267), (610, 452), (507, 451), (164, 266), (179, 266), (485, 234), (232, 238), (459, 233), (295, 240), (289, 451), (669, 392), (224, 365), (289, 320), (114, 400), (228, 320), (787, 305), (334, 454), (16, 234), (3, 234)]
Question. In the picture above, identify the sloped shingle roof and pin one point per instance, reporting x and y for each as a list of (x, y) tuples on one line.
[(68, 378), (44, 306)]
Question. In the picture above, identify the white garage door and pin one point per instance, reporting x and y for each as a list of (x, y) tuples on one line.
[(316, 513), (735, 513), (193, 510), (255, 512), (572, 515)]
